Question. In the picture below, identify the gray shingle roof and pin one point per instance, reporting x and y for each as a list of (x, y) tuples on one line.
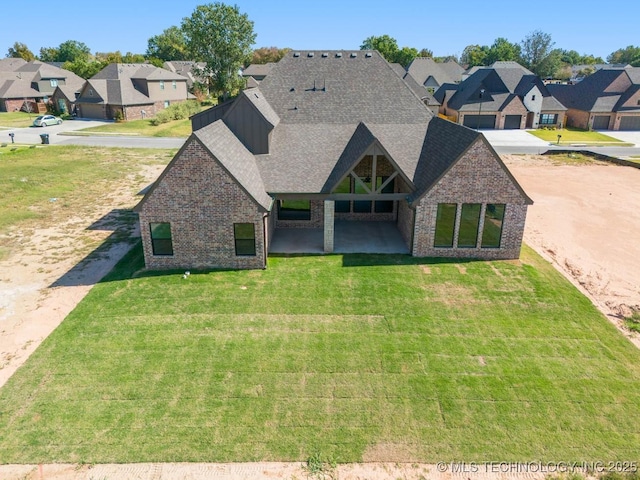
[(258, 69), (235, 158), (256, 97), (18, 89), (601, 92), (11, 64), (421, 68), (341, 87)]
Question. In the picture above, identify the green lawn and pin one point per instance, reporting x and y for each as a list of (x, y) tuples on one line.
[(574, 135), (176, 128), (16, 119), (357, 357)]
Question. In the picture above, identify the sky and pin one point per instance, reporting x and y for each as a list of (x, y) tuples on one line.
[(444, 26)]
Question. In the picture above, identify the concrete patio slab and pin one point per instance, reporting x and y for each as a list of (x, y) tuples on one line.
[(350, 237)]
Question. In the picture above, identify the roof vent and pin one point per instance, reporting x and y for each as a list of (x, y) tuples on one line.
[(339, 55), (368, 54), (310, 54), (353, 55), (325, 55), (296, 54)]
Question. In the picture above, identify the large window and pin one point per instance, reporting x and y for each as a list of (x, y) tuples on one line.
[(362, 187), (53, 82), (493, 220), (445, 225), (469, 222), (548, 119), (245, 238), (343, 206), (294, 210), (161, 84), (384, 206), (161, 242)]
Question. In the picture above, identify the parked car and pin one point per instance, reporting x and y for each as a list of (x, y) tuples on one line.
[(45, 120)]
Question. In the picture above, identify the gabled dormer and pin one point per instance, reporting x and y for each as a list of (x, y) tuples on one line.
[(252, 120)]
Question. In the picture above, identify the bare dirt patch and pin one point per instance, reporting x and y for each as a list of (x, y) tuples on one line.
[(585, 220), (50, 269)]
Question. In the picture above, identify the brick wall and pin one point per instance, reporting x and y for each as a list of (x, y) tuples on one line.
[(476, 178), (577, 118), (515, 107), (316, 221), (202, 202)]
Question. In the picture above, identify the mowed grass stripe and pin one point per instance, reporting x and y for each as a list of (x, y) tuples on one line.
[(358, 357)]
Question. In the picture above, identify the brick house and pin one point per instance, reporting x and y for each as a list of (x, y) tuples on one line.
[(432, 75), (133, 91), (608, 99), (31, 85), (503, 96), (312, 150)]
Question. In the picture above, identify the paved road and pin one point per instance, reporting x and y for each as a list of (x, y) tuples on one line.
[(31, 136), (503, 141)]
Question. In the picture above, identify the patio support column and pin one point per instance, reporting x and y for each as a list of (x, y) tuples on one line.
[(329, 222)]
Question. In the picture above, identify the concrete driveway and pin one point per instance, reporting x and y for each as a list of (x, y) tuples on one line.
[(499, 138), (630, 137)]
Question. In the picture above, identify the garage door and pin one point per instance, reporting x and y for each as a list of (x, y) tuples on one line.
[(91, 110), (601, 122), (512, 122), (480, 121), (630, 123)]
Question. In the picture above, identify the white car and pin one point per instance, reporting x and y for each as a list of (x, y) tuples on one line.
[(45, 120)]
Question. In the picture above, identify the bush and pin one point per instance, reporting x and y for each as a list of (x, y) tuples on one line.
[(633, 322), (177, 111)]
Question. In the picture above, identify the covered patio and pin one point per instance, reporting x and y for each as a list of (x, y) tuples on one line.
[(349, 237)]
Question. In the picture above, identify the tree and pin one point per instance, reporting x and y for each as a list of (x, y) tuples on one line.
[(474, 55), (268, 54), (83, 68), (630, 55), (446, 58), (169, 45), (20, 50), (536, 47), (221, 37), (69, 51), (425, 52), (388, 48), (503, 50), (72, 50), (550, 64), (48, 54)]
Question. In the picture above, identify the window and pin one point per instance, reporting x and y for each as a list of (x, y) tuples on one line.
[(245, 238), (54, 83), (492, 231), (90, 93), (294, 209), (384, 206), (445, 225), (533, 98), (174, 85), (363, 187), (167, 103), (343, 206), (161, 242), (469, 222), (161, 84), (548, 118)]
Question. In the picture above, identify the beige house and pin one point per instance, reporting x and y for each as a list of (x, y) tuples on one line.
[(130, 92)]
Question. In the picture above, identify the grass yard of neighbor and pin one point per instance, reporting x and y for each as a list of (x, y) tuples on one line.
[(17, 119), (574, 135), (355, 358), (175, 128)]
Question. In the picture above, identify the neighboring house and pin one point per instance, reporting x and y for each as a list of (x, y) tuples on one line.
[(257, 71), (328, 140), (580, 72), (504, 96), (432, 75), (189, 70), (29, 85), (131, 91), (608, 99), (422, 92)]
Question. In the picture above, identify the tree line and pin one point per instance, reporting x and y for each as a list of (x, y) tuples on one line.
[(221, 38)]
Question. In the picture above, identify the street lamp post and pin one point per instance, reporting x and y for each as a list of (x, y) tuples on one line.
[(480, 109)]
